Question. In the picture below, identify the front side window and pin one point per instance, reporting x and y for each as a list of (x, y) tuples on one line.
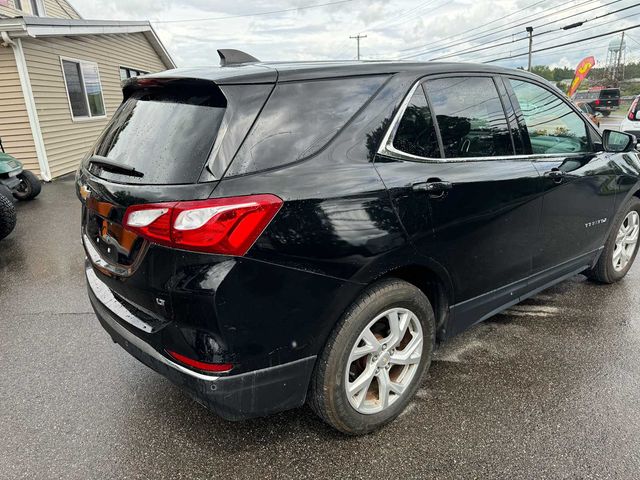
[(553, 126), (470, 117), (416, 133), (84, 89)]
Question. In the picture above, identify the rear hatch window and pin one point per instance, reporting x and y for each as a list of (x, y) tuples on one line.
[(609, 93), (164, 133)]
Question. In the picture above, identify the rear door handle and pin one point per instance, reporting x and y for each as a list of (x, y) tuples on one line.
[(435, 187), (555, 174)]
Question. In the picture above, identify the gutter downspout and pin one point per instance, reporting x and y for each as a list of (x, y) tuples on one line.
[(30, 103)]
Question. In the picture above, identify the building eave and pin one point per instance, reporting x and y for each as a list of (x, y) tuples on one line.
[(41, 27)]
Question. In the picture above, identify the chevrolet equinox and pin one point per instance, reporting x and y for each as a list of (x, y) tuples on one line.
[(270, 234)]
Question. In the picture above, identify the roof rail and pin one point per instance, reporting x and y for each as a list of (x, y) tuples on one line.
[(229, 56)]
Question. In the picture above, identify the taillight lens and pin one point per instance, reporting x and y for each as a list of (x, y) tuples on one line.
[(222, 225), (597, 101), (632, 110), (206, 366)]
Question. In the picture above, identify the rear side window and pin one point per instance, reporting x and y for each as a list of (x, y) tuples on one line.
[(470, 117), (299, 119), (552, 125), (165, 133), (416, 133)]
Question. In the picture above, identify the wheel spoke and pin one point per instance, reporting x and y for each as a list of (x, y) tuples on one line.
[(398, 323), (371, 340), (358, 388), (384, 387), (410, 354), (617, 253)]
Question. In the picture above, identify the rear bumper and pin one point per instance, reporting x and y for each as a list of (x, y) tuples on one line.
[(234, 397)]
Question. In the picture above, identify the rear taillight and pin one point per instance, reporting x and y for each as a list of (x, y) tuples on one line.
[(597, 102), (222, 225), (632, 110), (205, 366)]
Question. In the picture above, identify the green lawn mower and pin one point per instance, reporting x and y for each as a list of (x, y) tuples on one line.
[(15, 183)]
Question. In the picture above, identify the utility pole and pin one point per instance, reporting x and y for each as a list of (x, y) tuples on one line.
[(357, 39), (530, 31)]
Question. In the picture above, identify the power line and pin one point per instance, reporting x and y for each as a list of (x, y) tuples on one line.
[(480, 47), (395, 20), (480, 26), (386, 22), (554, 39), (529, 19), (272, 12), (613, 32)]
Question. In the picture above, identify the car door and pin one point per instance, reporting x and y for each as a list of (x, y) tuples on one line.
[(466, 200), (577, 182)]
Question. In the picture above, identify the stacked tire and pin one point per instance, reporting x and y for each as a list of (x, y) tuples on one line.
[(7, 212)]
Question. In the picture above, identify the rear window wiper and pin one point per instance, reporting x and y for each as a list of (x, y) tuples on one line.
[(113, 166)]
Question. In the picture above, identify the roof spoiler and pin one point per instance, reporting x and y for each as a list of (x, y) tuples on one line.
[(229, 56)]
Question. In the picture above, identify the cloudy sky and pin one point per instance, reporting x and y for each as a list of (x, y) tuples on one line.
[(395, 29)]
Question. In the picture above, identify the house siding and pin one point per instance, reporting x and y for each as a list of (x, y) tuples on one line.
[(10, 10), (52, 8), (15, 129), (60, 9), (67, 141)]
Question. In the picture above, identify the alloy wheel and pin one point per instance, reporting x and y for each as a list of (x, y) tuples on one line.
[(384, 360), (626, 241)]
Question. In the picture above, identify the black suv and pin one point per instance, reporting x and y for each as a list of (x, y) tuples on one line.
[(265, 234), (605, 100)]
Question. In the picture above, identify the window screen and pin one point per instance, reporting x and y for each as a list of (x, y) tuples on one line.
[(470, 117), (552, 125), (416, 133)]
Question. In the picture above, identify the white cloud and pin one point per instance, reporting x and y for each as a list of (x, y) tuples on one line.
[(394, 28)]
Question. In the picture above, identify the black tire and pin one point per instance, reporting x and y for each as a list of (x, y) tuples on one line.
[(606, 113), (327, 396), (29, 187), (7, 216), (604, 271)]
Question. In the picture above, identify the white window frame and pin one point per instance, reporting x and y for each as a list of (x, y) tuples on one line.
[(41, 10), (86, 97), (143, 72)]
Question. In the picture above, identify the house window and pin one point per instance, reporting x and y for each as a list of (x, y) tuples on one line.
[(126, 72), (36, 8), (83, 88), (17, 4)]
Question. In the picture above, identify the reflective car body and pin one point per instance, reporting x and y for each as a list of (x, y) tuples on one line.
[(494, 211)]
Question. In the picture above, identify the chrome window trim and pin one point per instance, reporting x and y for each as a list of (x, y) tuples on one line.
[(387, 148)]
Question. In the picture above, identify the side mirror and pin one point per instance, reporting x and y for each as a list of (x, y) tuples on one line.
[(598, 114), (618, 142)]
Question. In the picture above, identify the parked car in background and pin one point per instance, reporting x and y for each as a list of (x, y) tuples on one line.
[(589, 112), (604, 100), (631, 122), (265, 234)]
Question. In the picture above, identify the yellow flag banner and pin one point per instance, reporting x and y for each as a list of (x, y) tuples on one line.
[(581, 72)]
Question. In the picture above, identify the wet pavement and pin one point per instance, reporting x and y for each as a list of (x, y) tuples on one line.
[(550, 389)]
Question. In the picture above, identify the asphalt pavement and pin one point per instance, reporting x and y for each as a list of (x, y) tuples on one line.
[(550, 389)]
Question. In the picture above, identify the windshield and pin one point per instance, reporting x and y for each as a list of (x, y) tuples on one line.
[(165, 134)]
